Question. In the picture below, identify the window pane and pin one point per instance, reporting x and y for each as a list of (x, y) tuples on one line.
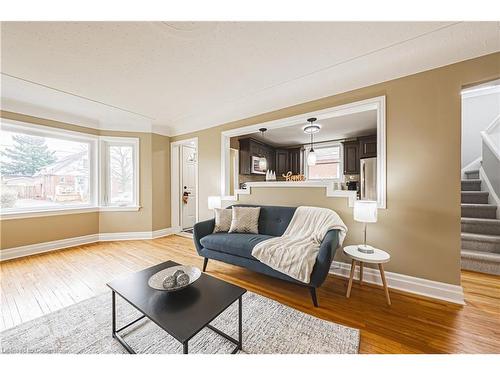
[(327, 163), (121, 170), (43, 172), (324, 171)]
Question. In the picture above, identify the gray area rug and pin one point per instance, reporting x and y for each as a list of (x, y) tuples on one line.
[(268, 327)]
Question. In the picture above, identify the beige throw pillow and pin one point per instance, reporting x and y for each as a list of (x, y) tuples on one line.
[(222, 219), (245, 220)]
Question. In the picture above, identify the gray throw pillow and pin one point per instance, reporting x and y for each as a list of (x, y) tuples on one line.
[(223, 218), (245, 220)]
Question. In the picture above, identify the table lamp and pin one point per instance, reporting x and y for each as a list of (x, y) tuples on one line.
[(365, 212)]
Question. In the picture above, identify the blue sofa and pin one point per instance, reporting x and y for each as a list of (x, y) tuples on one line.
[(236, 248)]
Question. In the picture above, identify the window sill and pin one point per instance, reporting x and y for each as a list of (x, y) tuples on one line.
[(64, 211)]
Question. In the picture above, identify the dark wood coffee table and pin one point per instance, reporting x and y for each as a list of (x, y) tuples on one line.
[(181, 314)]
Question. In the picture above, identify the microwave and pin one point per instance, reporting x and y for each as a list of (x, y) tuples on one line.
[(256, 167)]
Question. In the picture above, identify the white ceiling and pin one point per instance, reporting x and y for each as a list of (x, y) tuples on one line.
[(335, 128), (180, 77)]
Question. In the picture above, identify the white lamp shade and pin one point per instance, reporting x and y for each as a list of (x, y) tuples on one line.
[(214, 202), (365, 211), (311, 158)]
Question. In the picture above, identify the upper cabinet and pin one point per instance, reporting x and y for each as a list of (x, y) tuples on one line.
[(282, 162), (250, 147), (354, 151), (296, 161), (351, 157), (368, 147), (289, 159)]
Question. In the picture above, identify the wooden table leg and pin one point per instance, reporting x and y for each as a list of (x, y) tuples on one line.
[(360, 273), (386, 290), (351, 276)]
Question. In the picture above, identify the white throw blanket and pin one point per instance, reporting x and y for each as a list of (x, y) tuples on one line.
[(295, 252)]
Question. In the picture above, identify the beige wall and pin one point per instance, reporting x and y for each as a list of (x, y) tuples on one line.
[(421, 225), (154, 187), (161, 181)]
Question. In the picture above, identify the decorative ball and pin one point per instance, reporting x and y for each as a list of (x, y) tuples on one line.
[(182, 279), (178, 272), (169, 282)]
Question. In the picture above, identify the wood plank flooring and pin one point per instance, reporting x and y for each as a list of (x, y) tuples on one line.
[(37, 285)]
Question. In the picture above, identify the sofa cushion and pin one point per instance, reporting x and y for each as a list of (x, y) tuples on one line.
[(245, 220), (239, 244), (223, 219), (273, 220)]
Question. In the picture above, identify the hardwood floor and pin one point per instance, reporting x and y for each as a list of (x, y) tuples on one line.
[(40, 284)]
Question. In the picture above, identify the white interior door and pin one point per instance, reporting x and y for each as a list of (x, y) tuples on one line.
[(188, 186)]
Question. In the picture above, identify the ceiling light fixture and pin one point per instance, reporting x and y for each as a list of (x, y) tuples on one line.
[(262, 159), (311, 129)]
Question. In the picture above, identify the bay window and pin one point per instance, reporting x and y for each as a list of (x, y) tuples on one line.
[(44, 169)]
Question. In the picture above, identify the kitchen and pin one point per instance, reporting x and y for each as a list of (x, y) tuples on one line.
[(341, 150)]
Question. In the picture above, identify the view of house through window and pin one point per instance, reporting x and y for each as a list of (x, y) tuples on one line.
[(121, 174), (327, 163), (42, 172)]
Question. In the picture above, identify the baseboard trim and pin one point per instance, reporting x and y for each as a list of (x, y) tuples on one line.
[(414, 285), (43, 247)]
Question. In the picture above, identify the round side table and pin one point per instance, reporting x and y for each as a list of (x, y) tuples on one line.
[(378, 257)]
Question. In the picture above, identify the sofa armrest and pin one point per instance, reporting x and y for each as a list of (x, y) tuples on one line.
[(325, 256), (202, 229)]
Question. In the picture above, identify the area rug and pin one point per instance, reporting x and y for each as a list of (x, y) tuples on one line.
[(269, 327)]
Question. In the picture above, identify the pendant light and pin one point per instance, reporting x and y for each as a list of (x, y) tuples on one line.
[(311, 129), (262, 160)]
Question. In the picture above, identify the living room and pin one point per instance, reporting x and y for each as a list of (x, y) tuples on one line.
[(175, 187)]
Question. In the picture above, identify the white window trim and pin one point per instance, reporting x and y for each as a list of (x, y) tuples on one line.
[(307, 148), (96, 168)]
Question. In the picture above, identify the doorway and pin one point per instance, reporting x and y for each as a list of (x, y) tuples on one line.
[(480, 178), (184, 166)]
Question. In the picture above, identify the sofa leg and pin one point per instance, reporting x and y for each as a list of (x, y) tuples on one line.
[(312, 290), (205, 262)]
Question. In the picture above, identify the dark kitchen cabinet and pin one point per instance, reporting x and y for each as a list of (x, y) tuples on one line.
[(351, 157), (295, 160), (289, 160), (250, 147), (281, 162), (368, 147)]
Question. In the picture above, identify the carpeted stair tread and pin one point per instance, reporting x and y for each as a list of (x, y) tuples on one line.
[(480, 225), (480, 237), (479, 210), (474, 174), (480, 255), (471, 185), (480, 261), (477, 197), (480, 242)]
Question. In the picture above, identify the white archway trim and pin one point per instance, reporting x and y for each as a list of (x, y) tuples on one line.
[(376, 103)]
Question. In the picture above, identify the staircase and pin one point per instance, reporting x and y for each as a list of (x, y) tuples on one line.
[(480, 228)]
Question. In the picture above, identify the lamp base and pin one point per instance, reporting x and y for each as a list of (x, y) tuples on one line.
[(366, 249)]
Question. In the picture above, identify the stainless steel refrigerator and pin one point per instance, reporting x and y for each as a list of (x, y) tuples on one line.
[(369, 179)]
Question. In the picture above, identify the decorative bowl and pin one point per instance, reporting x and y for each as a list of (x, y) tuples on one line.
[(156, 281)]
